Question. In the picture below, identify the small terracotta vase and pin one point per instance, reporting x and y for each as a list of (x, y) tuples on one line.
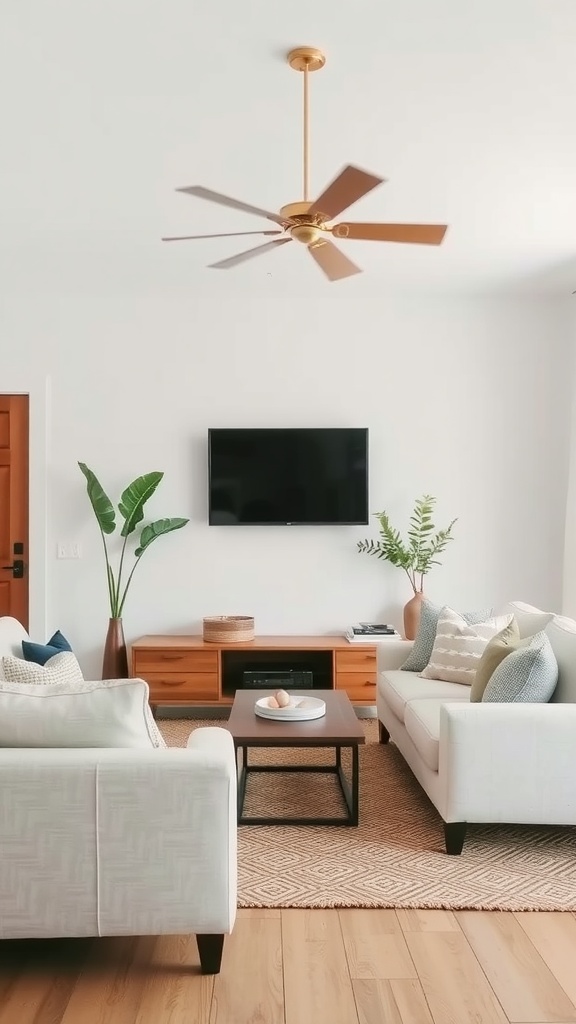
[(412, 610), (115, 662)]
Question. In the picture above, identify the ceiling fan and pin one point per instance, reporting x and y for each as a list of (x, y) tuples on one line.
[(310, 222)]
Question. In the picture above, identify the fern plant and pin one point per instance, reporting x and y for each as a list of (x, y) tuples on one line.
[(418, 554), (131, 508)]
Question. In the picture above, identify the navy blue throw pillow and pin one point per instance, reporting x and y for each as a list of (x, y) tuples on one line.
[(40, 653)]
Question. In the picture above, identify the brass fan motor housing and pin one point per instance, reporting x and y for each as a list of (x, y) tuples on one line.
[(293, 210), (300, 225)]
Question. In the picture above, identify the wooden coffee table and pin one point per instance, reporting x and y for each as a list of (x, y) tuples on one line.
[(338, 729)]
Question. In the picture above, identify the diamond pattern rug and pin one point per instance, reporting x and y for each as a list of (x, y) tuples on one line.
[(395, 858)]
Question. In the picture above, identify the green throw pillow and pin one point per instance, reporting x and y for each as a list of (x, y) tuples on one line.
[(498, 648)]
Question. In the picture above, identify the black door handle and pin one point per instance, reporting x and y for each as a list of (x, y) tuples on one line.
[(17, 568)]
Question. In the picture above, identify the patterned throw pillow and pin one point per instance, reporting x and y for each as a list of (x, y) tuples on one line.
[(499, 647), (528, 675), (420, 654), (459, 646), (60, 668), (40, 653)]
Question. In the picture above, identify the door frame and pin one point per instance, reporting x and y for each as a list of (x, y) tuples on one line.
[(38, 388)]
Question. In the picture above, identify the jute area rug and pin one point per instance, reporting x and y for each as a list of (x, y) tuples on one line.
[(395, 858)]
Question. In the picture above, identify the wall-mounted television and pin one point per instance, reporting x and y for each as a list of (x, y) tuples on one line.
[(288, 476)]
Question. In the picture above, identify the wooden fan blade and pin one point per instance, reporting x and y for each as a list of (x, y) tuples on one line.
[(422, 234), (228, 234), (333, 262), (233, 261), (349, 186), (216, 197)]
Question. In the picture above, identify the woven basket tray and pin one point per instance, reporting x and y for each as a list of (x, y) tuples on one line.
[(228, 629)]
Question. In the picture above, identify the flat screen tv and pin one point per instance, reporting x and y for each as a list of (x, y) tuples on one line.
[(288, 476)]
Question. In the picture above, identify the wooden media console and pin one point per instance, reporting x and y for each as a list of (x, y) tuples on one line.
[(188, 671)]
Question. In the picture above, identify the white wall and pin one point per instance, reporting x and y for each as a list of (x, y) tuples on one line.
[(569, 589), (466, 398)]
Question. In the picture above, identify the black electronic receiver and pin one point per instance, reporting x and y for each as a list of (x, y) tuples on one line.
[(261, 679)]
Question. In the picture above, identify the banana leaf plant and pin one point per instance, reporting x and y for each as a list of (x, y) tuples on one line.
[(131, 509)]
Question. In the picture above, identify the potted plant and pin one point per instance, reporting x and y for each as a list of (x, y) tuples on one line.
[(131, 509), (416, 556)]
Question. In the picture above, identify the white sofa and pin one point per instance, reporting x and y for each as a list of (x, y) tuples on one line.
[(118, 841), (486, 762)]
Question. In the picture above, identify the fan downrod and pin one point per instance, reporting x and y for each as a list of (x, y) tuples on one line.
[(306, 58)]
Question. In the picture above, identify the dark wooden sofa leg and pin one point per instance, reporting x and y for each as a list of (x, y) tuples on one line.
[(454, 836), (210, 950), (383, 734)]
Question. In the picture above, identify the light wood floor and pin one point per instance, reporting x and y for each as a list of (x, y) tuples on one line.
[(308, 967)]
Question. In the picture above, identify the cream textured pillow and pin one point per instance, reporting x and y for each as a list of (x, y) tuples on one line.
[(102, 713), (496, 650), (60, 668), (458, 646)]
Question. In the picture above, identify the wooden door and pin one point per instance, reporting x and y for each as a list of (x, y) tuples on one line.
[(14, 507)]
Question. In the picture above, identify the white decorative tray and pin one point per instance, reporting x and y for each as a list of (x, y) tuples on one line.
[(300, 709)]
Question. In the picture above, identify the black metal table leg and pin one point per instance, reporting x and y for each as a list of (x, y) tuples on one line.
[(349, 789), (242, 779)]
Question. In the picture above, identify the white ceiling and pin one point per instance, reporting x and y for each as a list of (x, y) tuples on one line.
[(467, 108)]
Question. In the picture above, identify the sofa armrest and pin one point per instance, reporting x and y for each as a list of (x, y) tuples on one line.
[(508, 762), (392, 654), (214, 739), (12, 633)]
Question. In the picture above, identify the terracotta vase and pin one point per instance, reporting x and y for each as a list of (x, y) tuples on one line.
[(115, 662), (412, 610)]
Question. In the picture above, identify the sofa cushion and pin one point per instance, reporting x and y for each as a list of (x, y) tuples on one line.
[(104, 713), (420, 654), (506, 641), (459, 646), (399, 687), (530, 619), (422, 721), (528, 675), (561, 633)]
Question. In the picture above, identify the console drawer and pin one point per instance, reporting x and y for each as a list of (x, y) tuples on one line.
[(182, 686), (360, 686), (174, 659), (356, 661)]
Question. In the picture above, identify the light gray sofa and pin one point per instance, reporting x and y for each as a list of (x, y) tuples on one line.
[(118, 841), (486, 762)]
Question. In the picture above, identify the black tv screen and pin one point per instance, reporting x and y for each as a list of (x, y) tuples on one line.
[(288, 476)]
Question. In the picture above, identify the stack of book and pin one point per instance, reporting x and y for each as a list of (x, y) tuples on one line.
[(369, 632)]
